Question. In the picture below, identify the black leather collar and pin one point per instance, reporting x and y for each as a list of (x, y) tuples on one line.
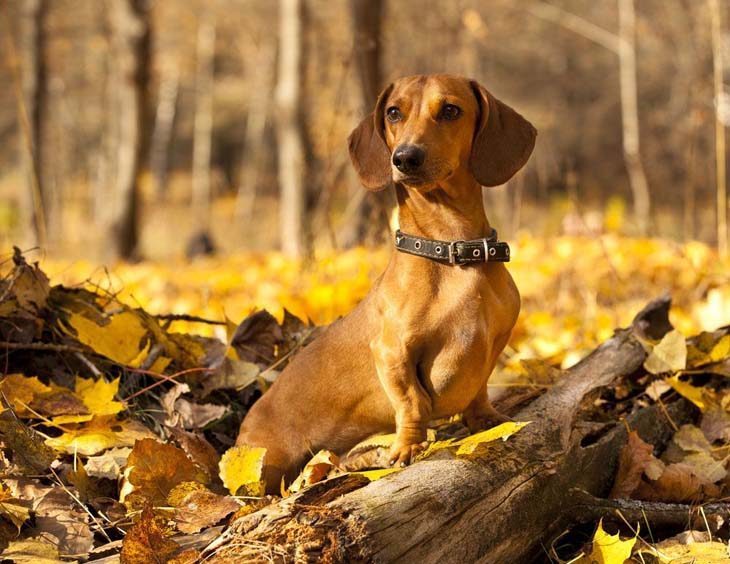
[(487, 249)]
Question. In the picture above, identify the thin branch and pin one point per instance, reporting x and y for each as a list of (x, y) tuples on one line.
[(576, 24), (40, 347)]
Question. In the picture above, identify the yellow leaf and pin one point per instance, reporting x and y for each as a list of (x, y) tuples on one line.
[(32, 551), (702, 397), (673, 551), (12, 508), (98, 395), (119, 340), (101, 433), (373, 475), (20, 390), (242, 467), (669, 355), (608, 549), (503, 431)]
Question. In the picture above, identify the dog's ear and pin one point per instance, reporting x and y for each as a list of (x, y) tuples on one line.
[(503, 140), (368, 149)]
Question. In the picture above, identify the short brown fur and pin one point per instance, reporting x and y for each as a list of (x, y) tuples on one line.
[(424, 341)]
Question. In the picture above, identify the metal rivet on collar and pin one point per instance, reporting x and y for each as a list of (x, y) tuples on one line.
[(476, 252), (417, 245), (506, 251), (438, 249), (492, 251)]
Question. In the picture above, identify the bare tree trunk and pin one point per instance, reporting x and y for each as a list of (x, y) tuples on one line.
[(164, 121), (372, 210), (630, 114), (203, 126), (131, 58), (259, 109), (290, 129), (33, 113), (720, 164)]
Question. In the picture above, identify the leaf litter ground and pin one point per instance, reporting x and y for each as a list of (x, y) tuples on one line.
[(117, 430)]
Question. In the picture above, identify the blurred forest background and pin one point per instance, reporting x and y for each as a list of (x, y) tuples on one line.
[(130, 127)]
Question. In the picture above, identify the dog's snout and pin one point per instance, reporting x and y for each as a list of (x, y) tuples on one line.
[(408, 158)]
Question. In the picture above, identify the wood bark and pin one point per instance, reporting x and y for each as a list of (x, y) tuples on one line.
[(203, 127), (33, 108), (495, 506), (720, 154), (291, 138), (630, 114), (130, 40), (372, 209)]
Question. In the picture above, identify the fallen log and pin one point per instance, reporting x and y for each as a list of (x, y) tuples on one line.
[(497, 505)]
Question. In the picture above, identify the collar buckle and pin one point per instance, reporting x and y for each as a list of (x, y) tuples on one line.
[(454, 257)]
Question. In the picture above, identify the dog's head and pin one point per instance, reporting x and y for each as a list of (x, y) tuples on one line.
[(425, 128)]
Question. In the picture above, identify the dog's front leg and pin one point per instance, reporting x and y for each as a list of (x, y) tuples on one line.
[(412, 405)]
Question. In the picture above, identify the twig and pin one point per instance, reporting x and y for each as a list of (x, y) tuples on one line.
[(186, 317), (40, 347), (163, 379), (94, 370)]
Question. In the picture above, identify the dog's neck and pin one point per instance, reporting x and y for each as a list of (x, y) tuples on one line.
[(453, 210)]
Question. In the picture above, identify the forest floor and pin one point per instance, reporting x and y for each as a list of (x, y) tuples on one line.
[(123, 387)]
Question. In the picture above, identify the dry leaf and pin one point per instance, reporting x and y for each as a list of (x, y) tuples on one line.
[(147, 541), (155, 468), (324, 464), (200, 508), (98, 395), (108, 465), (19, 391), (703, 398), (677, 484), (12, 508), (241, 468), (716, 425), (100, 434), (198, 449), (27, 447), (58, 517), (607, 549), (31, 551), (681, 549), (633, 460), (188, 414), (669, 355), (120, 340)]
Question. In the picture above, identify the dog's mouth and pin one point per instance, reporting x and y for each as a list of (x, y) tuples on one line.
[(424, 180)]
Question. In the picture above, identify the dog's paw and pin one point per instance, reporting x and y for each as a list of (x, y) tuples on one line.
[(402, 454)]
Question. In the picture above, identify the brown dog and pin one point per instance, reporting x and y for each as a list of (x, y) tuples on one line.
[(424, 341)]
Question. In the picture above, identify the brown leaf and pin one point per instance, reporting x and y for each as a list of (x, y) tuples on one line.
[(108, 465), (324, 464), (59, 401), (186, 413), (200, 508), (256, 337), (57, 517), (154, 468), (716, 425), (147, 542), (198, 449), (28, 449), (634, 458), (677, 484)]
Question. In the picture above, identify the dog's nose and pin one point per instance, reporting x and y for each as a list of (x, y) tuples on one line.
[(408, 158)]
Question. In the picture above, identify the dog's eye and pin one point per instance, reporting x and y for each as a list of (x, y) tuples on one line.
[(394, 114), (450, 112)]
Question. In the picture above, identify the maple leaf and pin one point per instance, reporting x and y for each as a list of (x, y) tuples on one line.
[(98, 395), (123, 339), (607, 549), (241, 468), (100, 434)]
